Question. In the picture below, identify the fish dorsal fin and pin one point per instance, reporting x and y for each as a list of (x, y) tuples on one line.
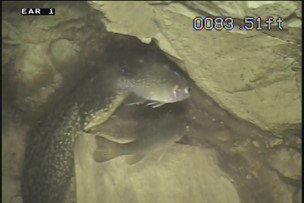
[(133, 159)]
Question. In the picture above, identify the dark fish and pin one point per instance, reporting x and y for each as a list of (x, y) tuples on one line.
[(151, 130), (49, 157), (49, 163)]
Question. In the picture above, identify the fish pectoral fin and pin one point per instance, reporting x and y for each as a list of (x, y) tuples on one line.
[(133, 159), (134, 100), (106, 149), (135, 103), (155, 104)]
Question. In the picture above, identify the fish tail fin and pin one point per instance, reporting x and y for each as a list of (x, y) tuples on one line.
[(106, 149)]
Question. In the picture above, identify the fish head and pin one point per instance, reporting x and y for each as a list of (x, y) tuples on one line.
[(180, 93), (170, 85)]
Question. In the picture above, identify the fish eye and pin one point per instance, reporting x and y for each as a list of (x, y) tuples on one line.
[(187, 90)]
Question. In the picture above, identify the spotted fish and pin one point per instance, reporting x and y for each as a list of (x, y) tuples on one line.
[(155, 81)]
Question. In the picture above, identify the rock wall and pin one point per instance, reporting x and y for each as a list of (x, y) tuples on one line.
[(253, 74)]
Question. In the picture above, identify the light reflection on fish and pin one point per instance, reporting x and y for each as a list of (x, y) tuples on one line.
[(155, 81), (151, 130)]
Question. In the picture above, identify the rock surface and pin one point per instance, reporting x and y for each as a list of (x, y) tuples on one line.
[(43, 56), (245, 72), (175, 178), (287, 162)]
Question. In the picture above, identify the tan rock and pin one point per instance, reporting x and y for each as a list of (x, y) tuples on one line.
[(287, 162), (246, 73), (150, 180)]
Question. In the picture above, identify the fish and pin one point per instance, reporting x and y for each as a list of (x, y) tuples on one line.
[(49, 156), (151, 131), (156, 81), (48, 163)]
